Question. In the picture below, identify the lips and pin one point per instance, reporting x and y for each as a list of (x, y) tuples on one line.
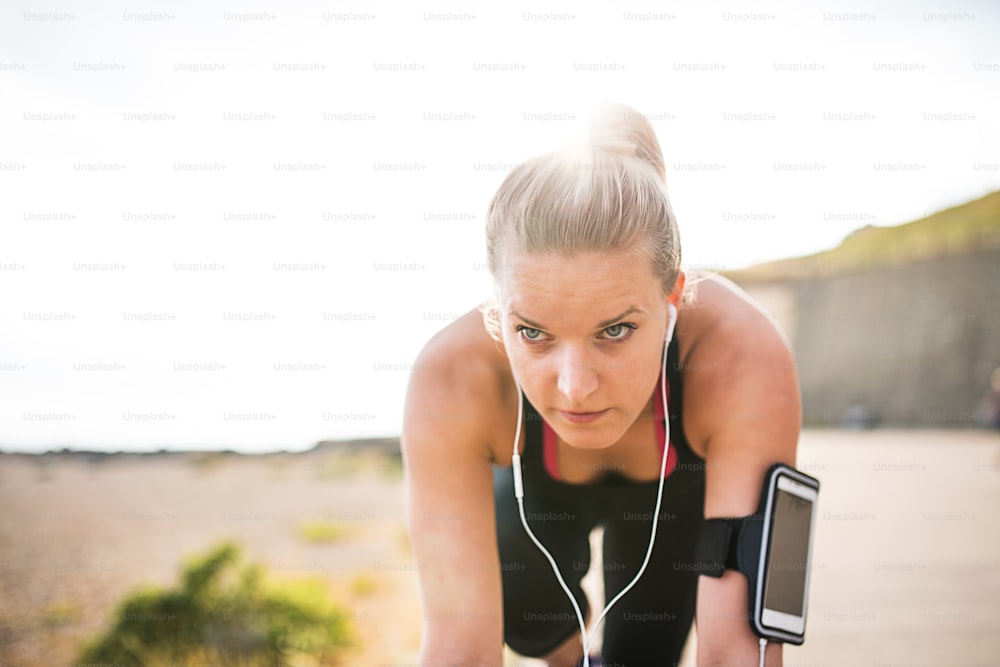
[(581, 417)]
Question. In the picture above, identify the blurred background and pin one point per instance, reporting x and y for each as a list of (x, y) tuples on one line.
[(226, 230)]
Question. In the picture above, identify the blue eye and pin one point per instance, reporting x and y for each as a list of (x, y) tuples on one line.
[(529, 333), (619, 331)]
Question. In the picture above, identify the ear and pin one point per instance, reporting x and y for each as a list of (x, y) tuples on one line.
[(678, 292)]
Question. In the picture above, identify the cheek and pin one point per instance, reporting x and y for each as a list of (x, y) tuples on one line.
[(643, 372), (643, 358), (531, 371), (524, 368)]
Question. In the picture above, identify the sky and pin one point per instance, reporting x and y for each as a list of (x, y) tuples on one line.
[(234, 225)]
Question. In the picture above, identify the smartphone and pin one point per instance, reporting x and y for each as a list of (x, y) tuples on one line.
[(781, 596)]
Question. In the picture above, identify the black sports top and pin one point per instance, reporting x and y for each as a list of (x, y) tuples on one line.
[(685, 470)]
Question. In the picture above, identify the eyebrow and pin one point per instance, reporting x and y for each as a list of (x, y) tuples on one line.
[(600, 325)]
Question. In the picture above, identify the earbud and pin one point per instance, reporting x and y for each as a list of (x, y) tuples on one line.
[(671, 323)]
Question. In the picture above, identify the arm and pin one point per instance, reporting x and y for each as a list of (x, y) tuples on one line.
[(450, 513), (749, 416)]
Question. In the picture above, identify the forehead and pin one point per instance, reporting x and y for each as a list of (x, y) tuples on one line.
[(553, 288)]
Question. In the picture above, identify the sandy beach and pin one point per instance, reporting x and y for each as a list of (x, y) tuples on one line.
[(907, 567)]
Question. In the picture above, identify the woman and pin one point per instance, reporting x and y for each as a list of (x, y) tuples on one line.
[(585, 253)]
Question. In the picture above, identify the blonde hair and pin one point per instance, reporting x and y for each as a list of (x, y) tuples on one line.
[(607, 192)]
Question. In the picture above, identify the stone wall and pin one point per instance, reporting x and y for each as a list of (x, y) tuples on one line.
[(905, 345)]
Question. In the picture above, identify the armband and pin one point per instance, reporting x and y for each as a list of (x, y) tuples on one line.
[(772, 548)]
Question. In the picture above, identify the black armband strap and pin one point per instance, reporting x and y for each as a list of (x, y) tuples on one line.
[(712, 551), (732, 543)]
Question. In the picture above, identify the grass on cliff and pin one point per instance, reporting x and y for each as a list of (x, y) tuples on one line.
[(975, 224)]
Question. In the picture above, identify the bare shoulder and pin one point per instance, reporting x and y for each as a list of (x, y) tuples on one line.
[(720, 307), (459, 387), (739, 367)]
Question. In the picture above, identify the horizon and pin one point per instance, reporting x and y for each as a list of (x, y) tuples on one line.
[(347, 445)]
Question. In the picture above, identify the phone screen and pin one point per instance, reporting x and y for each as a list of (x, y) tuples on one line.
[(789, 553)]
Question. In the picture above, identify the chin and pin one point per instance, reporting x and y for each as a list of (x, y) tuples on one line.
[(585, 436)]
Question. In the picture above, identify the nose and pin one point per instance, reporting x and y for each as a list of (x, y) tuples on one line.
[(577, 378)]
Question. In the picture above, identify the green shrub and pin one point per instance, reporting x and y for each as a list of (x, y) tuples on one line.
[(320, 531), (60, 612), (363, 585), (225, 614)]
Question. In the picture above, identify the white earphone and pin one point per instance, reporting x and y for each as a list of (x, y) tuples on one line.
[(519, 494)]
